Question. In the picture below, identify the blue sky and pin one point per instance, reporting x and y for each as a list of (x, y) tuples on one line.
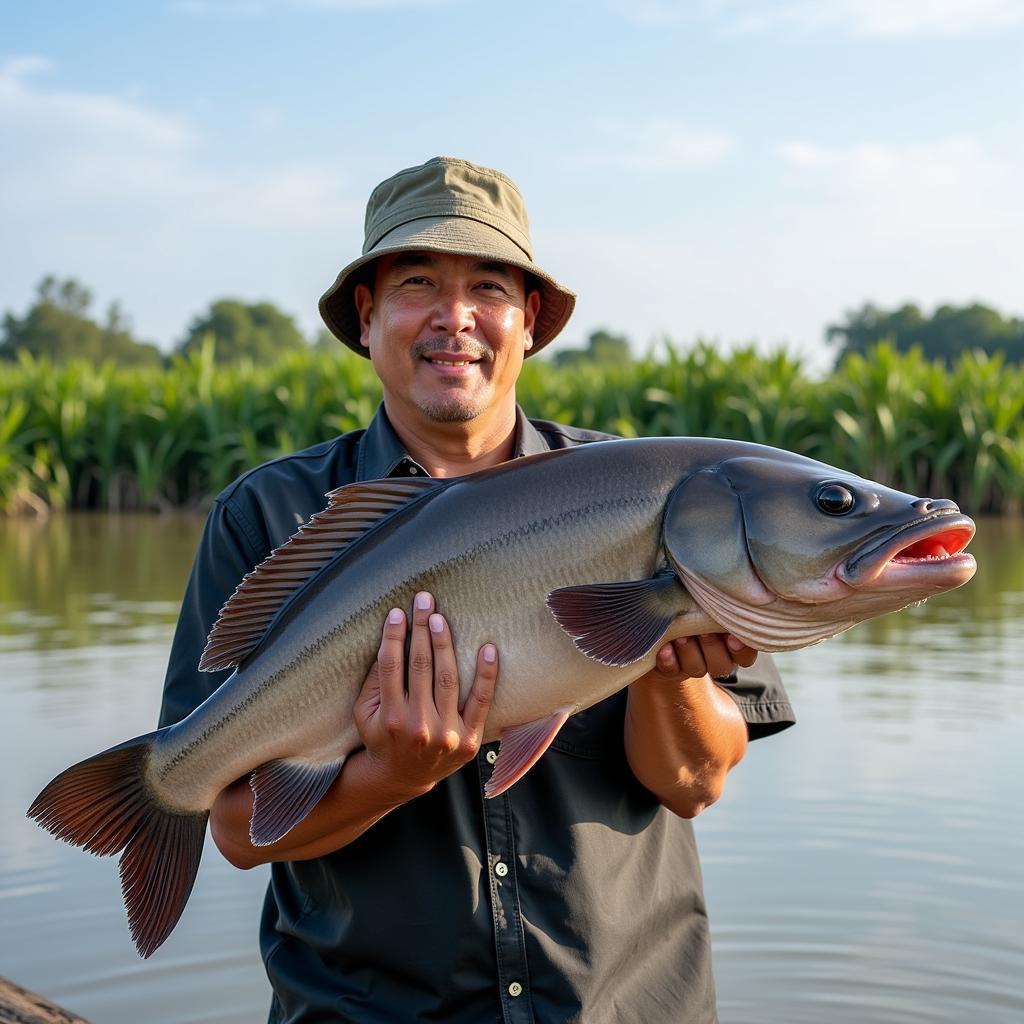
[(741, 170)]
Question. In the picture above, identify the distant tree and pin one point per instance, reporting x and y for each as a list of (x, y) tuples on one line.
[(58, 326), (943, 335), (259, 331), (602, 347)]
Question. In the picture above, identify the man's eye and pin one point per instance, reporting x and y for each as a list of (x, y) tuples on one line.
[(416, 280), (491, 286)]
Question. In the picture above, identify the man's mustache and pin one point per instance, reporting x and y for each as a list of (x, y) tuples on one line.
[(457, 346)]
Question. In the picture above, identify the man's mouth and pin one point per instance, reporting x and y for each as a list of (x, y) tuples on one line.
[(449, 356), (451, 361)]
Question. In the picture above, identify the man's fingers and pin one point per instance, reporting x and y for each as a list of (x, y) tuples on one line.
[(421, 655), (478, 703), (742, 654), (667, 661), (391, 660), (691, 657), (717, 656), (446, 671)]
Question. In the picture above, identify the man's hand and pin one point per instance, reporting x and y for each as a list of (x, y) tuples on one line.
[(411, 723), (711, 654), (415, 735)]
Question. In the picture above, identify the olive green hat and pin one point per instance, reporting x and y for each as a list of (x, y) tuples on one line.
[(447, 206)]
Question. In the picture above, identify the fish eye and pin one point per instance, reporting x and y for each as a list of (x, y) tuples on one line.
[(834, 499)]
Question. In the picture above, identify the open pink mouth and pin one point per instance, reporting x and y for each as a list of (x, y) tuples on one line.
[(941, 546), (928, 552)]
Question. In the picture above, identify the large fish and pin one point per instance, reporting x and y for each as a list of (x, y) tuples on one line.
[(577, 564)]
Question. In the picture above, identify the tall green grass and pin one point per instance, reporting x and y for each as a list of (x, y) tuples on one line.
[(85, 436)]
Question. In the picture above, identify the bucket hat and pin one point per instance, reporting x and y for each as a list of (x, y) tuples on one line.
[(446, 206)]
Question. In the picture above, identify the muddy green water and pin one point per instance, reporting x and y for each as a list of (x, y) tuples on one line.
[(867, 865)]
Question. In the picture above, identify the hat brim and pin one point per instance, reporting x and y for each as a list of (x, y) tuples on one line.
[(459, 236)]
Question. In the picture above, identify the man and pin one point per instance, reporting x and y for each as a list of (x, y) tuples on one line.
[(405, 896)]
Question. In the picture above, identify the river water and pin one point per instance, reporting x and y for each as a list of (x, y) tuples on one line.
[(867, 865)]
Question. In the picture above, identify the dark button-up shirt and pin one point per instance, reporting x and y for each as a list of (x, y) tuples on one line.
[(574, 896)]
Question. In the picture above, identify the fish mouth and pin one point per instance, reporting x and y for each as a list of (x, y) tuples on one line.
[(929, 552)]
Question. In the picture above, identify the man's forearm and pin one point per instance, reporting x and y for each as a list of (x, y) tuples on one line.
[(358, 799), (682, 737)]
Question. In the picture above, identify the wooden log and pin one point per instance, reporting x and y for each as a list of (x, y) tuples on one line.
[(19, 1006)]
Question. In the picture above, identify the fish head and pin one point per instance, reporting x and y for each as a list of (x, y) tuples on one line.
[(814, 544)]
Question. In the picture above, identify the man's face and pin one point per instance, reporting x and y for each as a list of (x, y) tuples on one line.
[(447, 334)]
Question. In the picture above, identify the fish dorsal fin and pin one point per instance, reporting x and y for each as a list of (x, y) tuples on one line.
[(351, 511)]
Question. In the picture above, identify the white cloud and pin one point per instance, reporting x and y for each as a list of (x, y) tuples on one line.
[(659, 144), (927, 222), (117, 194), (924, 185), (910, 17), (76, 144), (838, 225), (856, 17)]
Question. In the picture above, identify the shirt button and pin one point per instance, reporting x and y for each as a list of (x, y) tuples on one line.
[(515, 989), (492, 756), (501, 870), (413, 471)]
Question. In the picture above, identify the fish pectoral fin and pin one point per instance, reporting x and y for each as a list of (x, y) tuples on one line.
[(284, 792), (521, 747), (618, 623)]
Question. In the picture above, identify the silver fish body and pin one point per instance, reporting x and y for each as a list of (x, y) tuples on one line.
[(576, 564)]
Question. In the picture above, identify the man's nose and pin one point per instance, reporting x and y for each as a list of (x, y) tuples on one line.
[(453, 312)]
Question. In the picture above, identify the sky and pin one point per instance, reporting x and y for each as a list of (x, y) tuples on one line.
[(743, 171)]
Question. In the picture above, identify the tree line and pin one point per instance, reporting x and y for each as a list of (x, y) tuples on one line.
[(59, 325)]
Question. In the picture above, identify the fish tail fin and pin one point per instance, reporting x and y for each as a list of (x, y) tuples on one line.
[(104, 804)]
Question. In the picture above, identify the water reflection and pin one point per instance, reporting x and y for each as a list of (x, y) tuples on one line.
[(87, 609), (864, 866), (86, 580)]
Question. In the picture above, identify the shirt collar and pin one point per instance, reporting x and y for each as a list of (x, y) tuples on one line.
[(382, 454)]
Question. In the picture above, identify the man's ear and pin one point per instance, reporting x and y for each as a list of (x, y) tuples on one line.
[(364, 306), (530, 311)]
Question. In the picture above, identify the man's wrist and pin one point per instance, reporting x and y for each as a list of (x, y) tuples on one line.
[(390, 788)]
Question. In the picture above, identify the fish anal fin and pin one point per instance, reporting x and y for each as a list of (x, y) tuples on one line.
[(521, 748), (352, 510), (284, 792), (618, 623)]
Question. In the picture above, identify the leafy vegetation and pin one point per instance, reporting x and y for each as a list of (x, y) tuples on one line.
[(87, 435)]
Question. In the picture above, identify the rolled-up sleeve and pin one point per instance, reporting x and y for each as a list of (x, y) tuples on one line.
[(761, 698), (225, 554)]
